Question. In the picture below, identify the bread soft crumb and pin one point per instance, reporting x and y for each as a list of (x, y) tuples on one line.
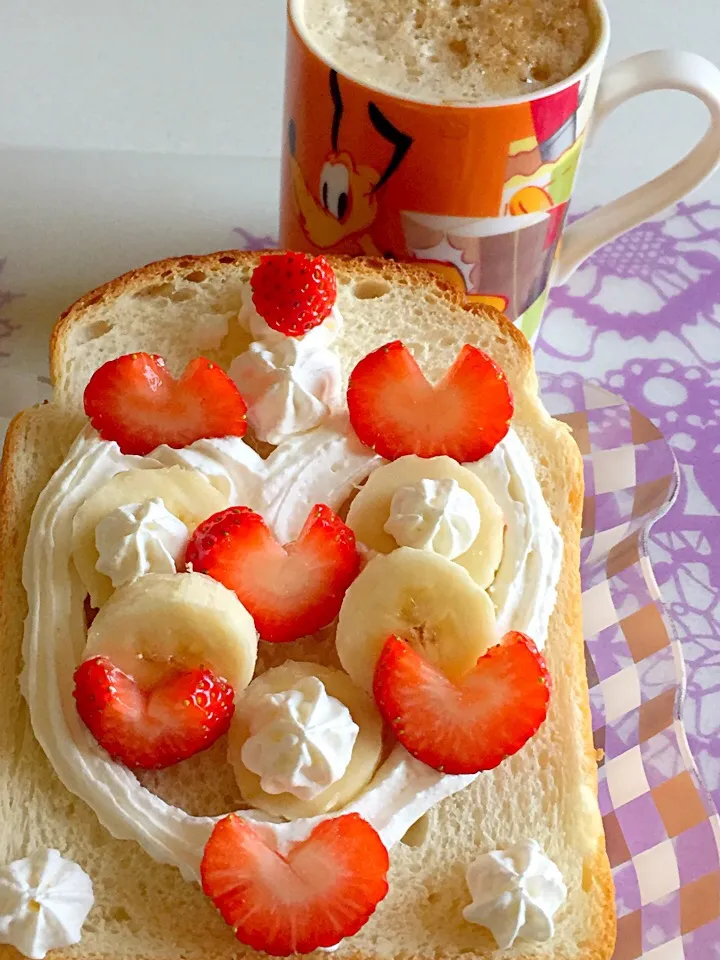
[(144, 910)]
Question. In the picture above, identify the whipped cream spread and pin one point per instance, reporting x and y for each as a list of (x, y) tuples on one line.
[(139, 538), (44, 901), (301, 740), (436, 515), (515, 893), (324, 465), (525, 586), (290, 384), (228, 463)]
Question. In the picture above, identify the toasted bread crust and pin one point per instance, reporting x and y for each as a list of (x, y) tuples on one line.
[(17, 504), (370, 267)]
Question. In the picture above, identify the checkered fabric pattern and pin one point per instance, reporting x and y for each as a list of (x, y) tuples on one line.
[(663, 834)]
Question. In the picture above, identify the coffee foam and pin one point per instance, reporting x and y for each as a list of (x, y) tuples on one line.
[(452, 50)]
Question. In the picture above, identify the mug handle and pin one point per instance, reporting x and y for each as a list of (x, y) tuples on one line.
[(653, 70)]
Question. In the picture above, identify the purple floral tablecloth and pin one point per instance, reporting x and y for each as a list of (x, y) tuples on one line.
[(642, 318)]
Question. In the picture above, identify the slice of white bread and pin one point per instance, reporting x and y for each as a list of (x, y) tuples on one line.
[(547, 792)]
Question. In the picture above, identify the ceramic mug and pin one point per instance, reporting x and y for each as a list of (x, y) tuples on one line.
[(477, 192)]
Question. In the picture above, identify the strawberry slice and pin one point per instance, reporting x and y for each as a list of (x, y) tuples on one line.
[(468, 726), (324, 889), (136, 402), (290, 591), (152, 727), (396, 411), (293, 292)]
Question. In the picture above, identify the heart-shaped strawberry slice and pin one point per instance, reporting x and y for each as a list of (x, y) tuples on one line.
[(396, 411), (290, 591), (468, 726), (152, 727), (324, 889), (136, 402)]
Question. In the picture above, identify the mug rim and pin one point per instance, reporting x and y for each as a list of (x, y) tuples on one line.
[(593, 61)]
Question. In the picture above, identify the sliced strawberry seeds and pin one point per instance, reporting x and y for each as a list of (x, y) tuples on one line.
[(323, 889), (290, 591), (471, 725), (395, 411), (135, 401)]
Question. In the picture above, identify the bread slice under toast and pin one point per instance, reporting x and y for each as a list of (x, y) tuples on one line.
[(180, 308)]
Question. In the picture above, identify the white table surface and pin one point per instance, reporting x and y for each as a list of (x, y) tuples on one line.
[(172, 76)]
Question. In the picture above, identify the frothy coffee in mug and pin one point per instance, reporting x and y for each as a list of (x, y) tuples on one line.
[(464, 51)]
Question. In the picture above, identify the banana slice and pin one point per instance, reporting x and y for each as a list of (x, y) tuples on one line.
[(427, 600), (184, 619), (185, 493), (370, 510), (366, 751)]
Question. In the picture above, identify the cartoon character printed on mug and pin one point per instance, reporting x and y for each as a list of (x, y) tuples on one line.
[(506, 260), (541, 166), (342, 208), (363, 177), (541, 170)]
